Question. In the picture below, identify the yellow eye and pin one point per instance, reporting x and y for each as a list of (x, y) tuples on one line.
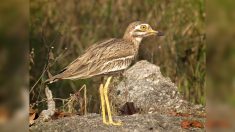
[(143, 27)]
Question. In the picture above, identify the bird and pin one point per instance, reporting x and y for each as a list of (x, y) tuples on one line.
[(106, 58)]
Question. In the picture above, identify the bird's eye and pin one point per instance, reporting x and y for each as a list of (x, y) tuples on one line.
[(143, 27)]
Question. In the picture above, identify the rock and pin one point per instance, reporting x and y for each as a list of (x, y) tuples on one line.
[(149, 90)]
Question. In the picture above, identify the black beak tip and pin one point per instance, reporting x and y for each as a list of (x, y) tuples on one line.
[(160, 33)]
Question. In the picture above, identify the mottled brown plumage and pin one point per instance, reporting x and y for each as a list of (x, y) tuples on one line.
[(108, 56)]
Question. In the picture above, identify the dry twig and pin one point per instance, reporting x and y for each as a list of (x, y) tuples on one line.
[(47, 114)]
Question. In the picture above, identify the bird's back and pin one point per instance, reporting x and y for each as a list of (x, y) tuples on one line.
[(104, 57)]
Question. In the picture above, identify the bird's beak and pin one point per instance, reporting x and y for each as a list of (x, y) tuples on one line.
[(158, 33)]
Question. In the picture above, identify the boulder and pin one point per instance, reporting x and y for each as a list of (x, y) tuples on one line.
[(145, 87)]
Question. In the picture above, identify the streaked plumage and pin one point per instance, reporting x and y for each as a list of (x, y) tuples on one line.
[(108, 56)]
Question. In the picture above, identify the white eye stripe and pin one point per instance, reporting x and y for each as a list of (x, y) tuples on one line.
[(138, 26), (138, 30)]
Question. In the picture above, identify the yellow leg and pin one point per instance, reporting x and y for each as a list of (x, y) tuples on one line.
[(107, 103), (102, 103)]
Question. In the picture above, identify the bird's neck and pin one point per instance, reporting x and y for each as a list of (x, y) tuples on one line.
[(135, 40)]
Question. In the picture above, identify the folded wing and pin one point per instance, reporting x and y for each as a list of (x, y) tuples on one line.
[(101, 58)]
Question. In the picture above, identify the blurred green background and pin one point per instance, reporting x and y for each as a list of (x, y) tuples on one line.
[(72, 26)]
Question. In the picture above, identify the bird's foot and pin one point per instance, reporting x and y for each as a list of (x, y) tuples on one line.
[(115, 123), (106, 123)]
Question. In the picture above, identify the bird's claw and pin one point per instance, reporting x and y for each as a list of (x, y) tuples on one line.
[(113, 123)]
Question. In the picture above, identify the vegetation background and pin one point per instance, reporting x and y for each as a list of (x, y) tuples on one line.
[(61, 30)]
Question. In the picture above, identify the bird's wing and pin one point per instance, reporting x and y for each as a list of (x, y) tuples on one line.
[(88, 52), (117, 56), (101, 58)]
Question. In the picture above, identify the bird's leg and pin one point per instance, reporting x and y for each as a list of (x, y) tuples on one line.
[(107, 103), (102, 103)]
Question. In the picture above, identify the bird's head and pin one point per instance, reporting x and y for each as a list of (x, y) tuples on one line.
[(138, 30)]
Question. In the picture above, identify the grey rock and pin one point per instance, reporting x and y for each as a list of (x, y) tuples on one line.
[(149, 90)]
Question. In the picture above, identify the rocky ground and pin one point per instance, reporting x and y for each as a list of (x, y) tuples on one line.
[(131, 123), (153, 100)]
